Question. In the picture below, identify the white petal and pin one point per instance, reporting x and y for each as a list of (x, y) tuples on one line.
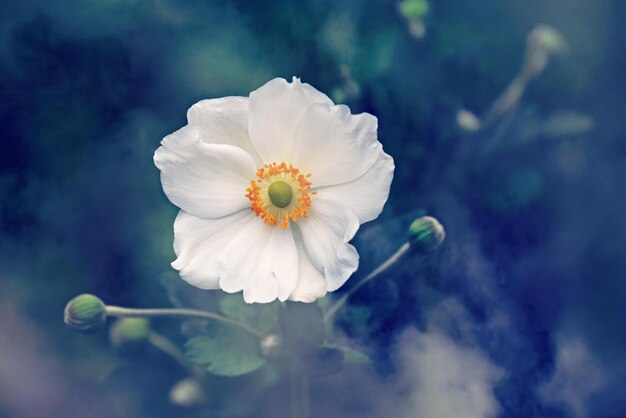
[(325, 233), (223, 121), (334, 145), (206, 180), (311, 281), (339, 271), (276, 109), (262, 261), (365, 196), (198, 243)]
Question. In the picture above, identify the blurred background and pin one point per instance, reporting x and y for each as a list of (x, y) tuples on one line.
[(505, 120)]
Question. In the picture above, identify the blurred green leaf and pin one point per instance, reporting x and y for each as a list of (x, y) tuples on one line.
[(566, 123), (228, 352), (321, 361), (350, 355), (184, 295), (354, 319), (302, 325), (259, 316)]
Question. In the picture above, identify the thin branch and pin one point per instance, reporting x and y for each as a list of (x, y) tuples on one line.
[(178, 313), (380, 269)]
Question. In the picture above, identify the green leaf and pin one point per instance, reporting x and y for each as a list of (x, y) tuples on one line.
[(302, 325), (229, 351), (354, 319), (259, 316), (326, 302), (350, 355), (321, 361)]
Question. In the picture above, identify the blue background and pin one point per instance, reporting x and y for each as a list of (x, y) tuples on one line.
[(533, 272)]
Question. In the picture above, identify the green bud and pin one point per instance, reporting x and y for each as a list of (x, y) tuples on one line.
[(548, 38), (126, 331), (426, 234), (280, 194), (413, 9), (85, 313)]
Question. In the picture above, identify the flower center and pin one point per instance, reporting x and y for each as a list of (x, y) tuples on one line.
[(280, 193)]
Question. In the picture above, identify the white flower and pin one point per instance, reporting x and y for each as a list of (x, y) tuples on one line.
[(271, 190)]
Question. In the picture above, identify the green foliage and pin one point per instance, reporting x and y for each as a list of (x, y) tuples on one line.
[(184, 295), (302, 325), (229, 351), (354, 319), (259, 316), (321, 361), (350, 355)]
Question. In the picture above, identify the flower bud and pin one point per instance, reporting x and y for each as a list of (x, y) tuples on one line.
[(129, 331), (188, 393), (548, 38), (272, 346), (413, 9), (85, 313), (467, 120), (426, 234), (542, 42)]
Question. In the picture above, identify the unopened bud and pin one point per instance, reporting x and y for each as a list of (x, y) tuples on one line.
[(426, 234), (188, 393), (272, 346), (85, 313), (129, 331), (467, 120), (413, 9), (548, 38), (543, 42)]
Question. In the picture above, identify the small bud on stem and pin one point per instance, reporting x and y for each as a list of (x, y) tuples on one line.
[(129, 331), (85, 313), (426, 234)]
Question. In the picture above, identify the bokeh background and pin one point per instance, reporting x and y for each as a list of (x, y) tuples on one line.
[(521, 312)]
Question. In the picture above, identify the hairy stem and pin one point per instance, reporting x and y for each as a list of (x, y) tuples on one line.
[(119, 311), (170, 349), (330, 314)]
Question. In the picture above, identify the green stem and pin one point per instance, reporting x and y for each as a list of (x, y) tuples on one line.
[(305, 389), (380, 269), (299, 384), (170, 349), (119, 311), (294, 392)]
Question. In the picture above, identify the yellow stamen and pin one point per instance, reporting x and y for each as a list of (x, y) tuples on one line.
[(280, 193)]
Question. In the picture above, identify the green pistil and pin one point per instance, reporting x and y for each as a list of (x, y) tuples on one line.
[(280, 194)]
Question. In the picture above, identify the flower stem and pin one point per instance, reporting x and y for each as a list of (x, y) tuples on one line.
[(330, 314), (119, 311), (305, 389), (169, 348), (300, 399), (294, 395)]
